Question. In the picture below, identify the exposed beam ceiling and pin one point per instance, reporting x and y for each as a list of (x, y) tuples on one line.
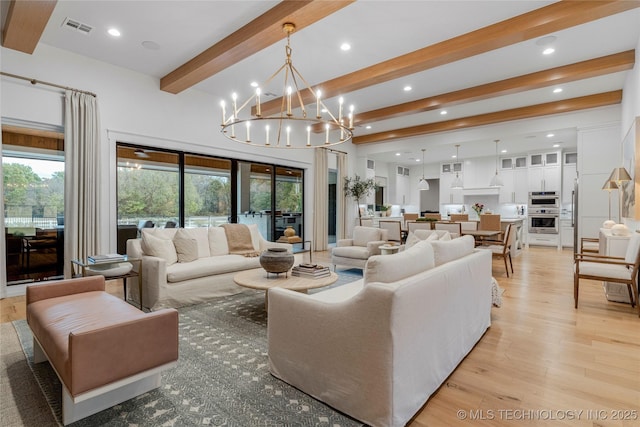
[(25, 23), (555, 17), (582, 70), (253, 37), (565, 106)]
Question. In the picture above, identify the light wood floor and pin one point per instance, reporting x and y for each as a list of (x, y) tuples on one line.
[(541, 362)]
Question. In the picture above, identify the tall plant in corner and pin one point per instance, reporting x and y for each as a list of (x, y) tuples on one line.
[(357, 188)]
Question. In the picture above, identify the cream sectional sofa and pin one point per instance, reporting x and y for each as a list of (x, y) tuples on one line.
[(174, 277), (377, 348)]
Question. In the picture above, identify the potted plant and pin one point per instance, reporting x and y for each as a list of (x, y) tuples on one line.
[(357, 188), (385, 209)]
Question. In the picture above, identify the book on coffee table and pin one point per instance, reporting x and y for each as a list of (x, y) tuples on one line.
[(310, 271)]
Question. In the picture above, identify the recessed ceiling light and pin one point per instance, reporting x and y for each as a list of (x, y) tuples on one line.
[(367, 127), (557, 90), (397, 154), (151, 45), (443, 112), (254, 84), (556, 145), (113, 32), (345, 46), (418, 160), (503, 151), (550, 135), (548, 51), (407, 88)]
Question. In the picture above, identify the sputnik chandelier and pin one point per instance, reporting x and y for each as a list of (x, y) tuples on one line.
[(292, 126)]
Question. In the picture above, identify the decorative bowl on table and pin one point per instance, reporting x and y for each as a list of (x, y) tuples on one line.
[(109, 269), (276, 260)]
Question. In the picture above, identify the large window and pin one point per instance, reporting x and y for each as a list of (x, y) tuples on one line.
[(33, 177), (160, 188)]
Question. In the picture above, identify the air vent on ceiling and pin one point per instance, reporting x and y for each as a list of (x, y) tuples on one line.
[(371, 164), (72, 24)]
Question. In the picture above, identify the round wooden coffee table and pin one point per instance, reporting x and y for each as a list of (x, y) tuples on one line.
[(261, 280)]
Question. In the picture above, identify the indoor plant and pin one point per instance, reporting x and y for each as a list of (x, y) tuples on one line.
[(357, 188)]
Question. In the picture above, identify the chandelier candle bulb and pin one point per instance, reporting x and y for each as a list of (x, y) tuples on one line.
[(288, 136), (234, 96), (318, 93), (326, 140), (340, 101), (351, 109), (308, 136), (248, 132), (289, 101), (258, 113), (266, 129), (233, 131)]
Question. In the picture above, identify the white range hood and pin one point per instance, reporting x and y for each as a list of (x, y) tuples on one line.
[(481, 191)]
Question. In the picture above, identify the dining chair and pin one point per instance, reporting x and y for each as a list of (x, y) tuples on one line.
[(459, 217), (394, 230), (610, 269), (418, 225), (454, 228), (469, 225), (503, 249), (406, 217), (367, 222), (489, 222)]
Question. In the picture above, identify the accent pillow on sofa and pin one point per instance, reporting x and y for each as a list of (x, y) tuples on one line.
[(200, 235), (186, 249), (158, 247), (445, 251), (218, 241), (391, 268)]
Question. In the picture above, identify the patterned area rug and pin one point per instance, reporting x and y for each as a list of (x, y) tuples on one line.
[(222, 378)]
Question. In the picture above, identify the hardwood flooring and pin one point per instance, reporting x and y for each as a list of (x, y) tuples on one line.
[(541, 362)]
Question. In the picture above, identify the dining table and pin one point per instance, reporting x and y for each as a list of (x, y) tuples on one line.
[(480, 235)]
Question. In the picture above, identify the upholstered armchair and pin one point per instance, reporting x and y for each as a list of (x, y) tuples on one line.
[(356, 251)]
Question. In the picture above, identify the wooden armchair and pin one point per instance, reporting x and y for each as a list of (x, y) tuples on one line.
[(503, 249), (610, 269)]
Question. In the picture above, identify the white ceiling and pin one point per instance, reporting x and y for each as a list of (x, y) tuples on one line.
[(377, 30)]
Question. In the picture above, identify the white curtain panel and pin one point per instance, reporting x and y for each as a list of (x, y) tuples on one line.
[(320, 205), (81, 211), (341, 208)]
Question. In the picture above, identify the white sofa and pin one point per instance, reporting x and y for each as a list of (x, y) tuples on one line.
[(377, 348), (171, 279)]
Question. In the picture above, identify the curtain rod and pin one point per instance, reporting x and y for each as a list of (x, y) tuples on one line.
[(34, 82), (333, 150)]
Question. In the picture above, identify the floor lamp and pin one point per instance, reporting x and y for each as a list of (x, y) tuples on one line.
[(620, 175), (609, 185)]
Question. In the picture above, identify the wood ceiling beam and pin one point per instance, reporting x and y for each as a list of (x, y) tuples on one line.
[(557, 107), (258, 34), (555, 17), (25, 23), (615, 63)]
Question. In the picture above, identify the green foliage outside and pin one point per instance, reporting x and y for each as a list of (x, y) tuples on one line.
[(26, 194)]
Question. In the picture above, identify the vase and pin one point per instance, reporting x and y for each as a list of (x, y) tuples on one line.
[(289, 231), (388, 212), (276, 260)]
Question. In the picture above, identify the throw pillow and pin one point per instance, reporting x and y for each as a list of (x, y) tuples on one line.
[(412, 239), (218, 241), (186, 249), (433, 236), (391, 268), (161, 248), (445, 236), (445, 251), (200, 235)]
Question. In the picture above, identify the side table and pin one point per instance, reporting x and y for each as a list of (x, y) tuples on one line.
[(135, 272), (389, 249)]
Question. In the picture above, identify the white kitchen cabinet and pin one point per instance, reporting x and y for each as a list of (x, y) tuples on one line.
[(515, 188), (545, 178), (449, 195), (566, 233), (544, 159)]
